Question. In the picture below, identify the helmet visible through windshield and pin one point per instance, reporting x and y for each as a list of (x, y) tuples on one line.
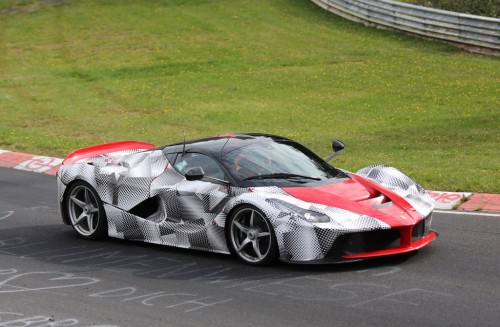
[(276, 163)]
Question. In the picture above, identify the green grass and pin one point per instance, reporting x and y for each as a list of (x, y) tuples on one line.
[(88, 72)]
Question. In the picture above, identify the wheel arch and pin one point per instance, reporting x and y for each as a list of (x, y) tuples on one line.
[(259, 202)]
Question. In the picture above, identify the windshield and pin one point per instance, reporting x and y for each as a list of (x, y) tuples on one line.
[(284, 163)]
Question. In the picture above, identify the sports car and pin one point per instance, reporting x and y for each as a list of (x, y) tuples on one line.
[(259, 197)]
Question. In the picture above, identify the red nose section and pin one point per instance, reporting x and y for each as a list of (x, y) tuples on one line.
[(362, 196)]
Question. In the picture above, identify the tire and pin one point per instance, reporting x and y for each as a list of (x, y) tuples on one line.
[(84, 210), (250, 236)]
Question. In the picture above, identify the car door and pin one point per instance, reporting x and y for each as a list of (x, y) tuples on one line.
[(193, 209), (201, 198)]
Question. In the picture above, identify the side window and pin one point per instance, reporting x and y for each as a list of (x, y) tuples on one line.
[(190, 160)]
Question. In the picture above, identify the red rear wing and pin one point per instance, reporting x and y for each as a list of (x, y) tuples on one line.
[(96, 150)]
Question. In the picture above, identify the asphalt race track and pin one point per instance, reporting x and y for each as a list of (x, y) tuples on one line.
[(50, 277)]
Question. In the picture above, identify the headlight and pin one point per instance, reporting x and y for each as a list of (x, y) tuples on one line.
[(315, 217), (307, 215)]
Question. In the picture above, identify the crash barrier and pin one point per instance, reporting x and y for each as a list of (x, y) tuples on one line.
[(473, 33)]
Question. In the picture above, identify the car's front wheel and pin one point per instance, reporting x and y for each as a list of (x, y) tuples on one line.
[(250, 236), (85, 211)]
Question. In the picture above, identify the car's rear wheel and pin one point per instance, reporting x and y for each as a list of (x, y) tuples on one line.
[(250, 236), (85, 211)]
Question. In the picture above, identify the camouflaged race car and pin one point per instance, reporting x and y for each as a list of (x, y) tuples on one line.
[(260, 197)]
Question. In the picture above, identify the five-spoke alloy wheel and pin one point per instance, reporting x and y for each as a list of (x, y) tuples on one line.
[(251, 237), (85, 212)]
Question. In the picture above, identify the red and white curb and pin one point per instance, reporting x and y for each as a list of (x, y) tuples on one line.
[(29, 162), (444, 200), (448, 200)]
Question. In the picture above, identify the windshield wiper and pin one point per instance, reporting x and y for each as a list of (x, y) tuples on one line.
[(281, 176)]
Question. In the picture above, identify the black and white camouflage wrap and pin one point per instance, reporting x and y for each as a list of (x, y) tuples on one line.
[(394, 180), (192, 214)]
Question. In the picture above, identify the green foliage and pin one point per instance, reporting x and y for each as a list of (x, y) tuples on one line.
[(76, 73), (489, 8)]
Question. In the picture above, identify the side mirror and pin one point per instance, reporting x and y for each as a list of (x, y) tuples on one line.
[(337, 147), (194, 174)]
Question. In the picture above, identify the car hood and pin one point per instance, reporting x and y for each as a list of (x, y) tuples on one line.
[(363, 196)]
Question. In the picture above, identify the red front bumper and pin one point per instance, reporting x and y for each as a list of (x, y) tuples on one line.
[(406, 246)]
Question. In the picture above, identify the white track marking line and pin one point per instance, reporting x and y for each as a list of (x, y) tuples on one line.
[(470, 213)]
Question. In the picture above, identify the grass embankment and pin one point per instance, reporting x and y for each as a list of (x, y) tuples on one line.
[(88, 72)]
